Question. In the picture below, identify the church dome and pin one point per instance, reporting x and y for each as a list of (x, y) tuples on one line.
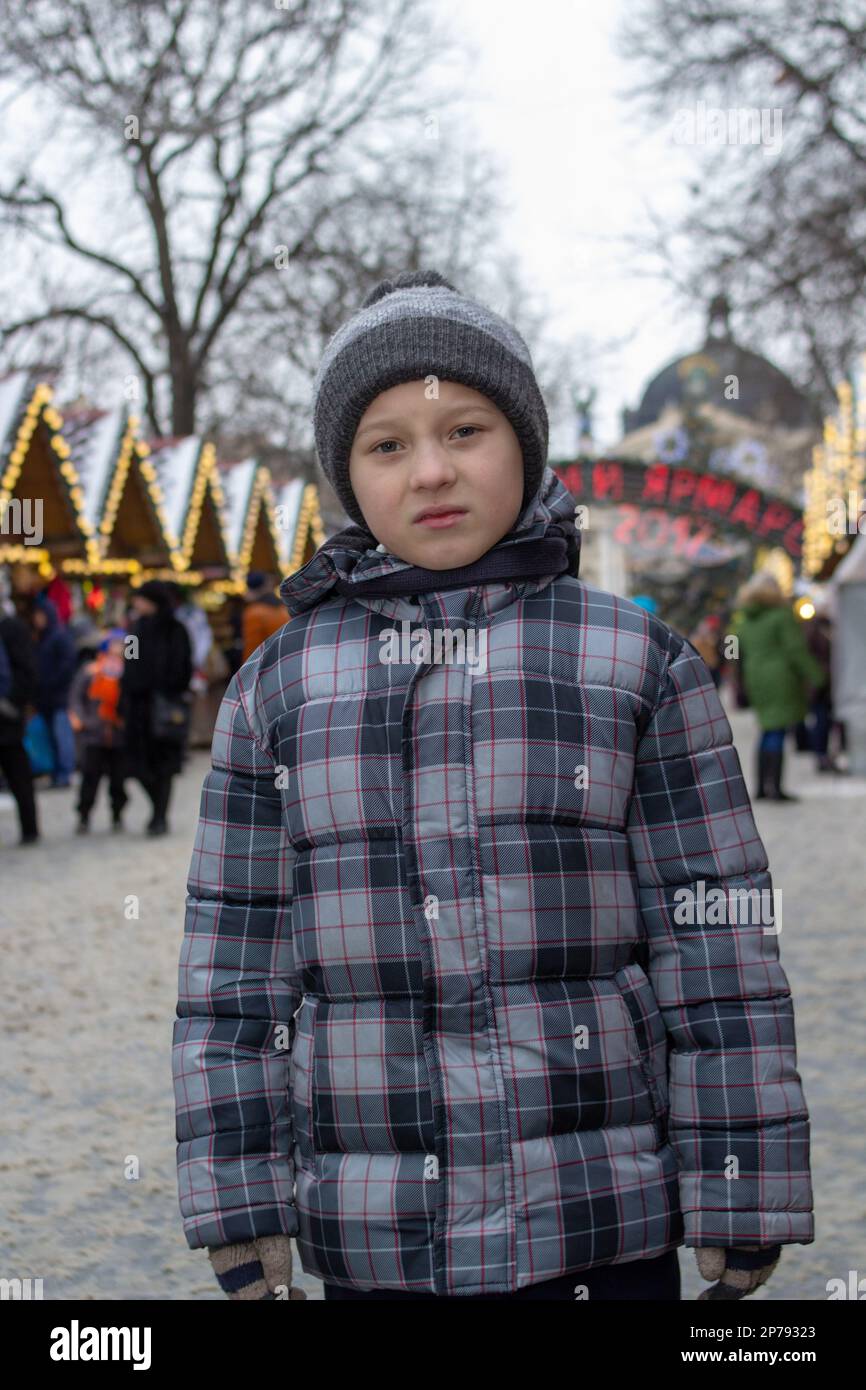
[(764, 393)]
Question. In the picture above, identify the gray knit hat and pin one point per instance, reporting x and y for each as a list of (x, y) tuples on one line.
[(414, 326)]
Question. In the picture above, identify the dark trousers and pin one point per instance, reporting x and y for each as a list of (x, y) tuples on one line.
[(657, 1279), (821, 727), (16, 768), (157, 784), (98, 762)]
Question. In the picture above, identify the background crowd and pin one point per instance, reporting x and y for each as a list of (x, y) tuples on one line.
[(116, 702), (113, 702)]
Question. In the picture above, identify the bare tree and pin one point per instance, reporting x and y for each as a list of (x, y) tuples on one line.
[(782, 232), (206, 185), (407, 209)]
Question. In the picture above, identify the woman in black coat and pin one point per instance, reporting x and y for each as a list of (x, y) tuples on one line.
[(158, 663)]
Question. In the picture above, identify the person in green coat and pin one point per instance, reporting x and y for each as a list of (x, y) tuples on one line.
[(778, 673)]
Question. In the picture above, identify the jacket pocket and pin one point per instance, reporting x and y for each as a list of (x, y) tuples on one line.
[(647, 1038), (302, 1065)]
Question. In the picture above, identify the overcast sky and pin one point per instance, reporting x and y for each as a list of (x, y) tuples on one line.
[(544, 92), (544, 86)]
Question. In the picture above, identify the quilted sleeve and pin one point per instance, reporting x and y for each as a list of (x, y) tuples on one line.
[(237, 993), (738, 1120)]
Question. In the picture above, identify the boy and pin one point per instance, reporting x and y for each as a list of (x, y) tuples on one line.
[(438, 1018)]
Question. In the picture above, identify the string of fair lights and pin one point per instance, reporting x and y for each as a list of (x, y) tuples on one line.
[(227, 577)]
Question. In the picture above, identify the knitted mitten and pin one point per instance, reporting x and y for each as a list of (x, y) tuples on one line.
[(739, 1271), (255, 1269)]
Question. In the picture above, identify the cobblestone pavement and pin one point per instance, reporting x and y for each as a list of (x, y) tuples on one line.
[(88, 1006)]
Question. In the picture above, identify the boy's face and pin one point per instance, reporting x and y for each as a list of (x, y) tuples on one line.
[(459, 451)]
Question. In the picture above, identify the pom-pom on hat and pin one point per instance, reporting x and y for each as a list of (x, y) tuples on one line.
[(414, 326)]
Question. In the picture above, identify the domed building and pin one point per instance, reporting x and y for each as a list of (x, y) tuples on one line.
[(765, 396), (711, 459), (745, 416)]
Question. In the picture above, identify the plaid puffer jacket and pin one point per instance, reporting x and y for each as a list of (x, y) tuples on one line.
[(440, 1017)]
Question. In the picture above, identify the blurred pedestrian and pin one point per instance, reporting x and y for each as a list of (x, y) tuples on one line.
[(778, 674), (705, 639), (93, 712), (262, 615), (199, 631), (56, 661), (819, 639), (19, 693), (157, 670), (7, 709), (230, 633), (60, 594)]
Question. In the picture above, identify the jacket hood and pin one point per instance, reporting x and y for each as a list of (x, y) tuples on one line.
[(353, 554)]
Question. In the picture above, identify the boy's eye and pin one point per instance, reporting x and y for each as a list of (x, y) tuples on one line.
[(473, 428)]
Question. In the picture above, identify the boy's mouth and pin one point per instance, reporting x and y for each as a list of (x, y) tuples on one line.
[(437, 517)]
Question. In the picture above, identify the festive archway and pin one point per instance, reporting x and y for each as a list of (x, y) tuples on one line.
[(686, 508)]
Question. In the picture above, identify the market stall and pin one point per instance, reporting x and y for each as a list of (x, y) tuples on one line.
[(186, 473), (43, 519), (298, 523), (254, 541), (122, 502)]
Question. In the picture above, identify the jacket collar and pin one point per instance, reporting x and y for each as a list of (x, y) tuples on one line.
[(353, 556)]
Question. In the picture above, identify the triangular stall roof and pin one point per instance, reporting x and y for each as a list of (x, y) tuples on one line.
[(250, 521), (298, 523), (42, 503), (121, 502), (193, 501)]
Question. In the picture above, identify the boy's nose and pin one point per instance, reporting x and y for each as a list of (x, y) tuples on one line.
[(431, 467)]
